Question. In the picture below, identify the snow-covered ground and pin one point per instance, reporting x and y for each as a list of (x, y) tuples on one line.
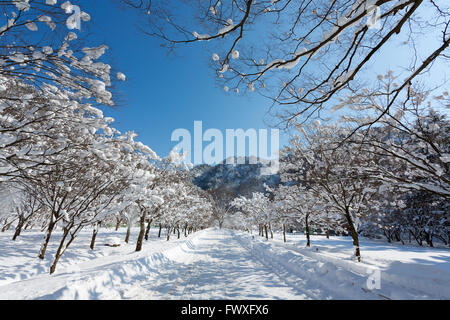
[(389, 271), (222, 264)]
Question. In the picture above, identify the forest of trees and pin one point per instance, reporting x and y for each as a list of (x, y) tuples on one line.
[(391, 180), (370, 150), (62, 164), (382, 168)]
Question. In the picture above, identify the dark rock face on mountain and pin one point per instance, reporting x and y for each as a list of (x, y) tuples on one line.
[(235, 179)]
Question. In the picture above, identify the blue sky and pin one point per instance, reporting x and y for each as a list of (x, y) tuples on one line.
[(163, 93)]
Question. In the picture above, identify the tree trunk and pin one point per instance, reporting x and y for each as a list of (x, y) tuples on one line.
[(168, 233), (387, 235), (284, 232), (416, 237), (118, 224), (265, 229), (59, 251), (141, 233), (185, 230), (127, 237), (354, 236), (327, 233), (270, 229), (18, 228), (159, 233), (148, 229), (48, 235), (94, 235), (178, 230), (429, 239), (308, 239)]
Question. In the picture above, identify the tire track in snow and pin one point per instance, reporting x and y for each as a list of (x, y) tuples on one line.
[(287, 277), (275, 266), (179, 286), (193, 282), (217, 266), (222, 290)]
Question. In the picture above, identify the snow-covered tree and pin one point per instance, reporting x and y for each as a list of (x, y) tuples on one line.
[(336, 172), (259, 208), (43, 48), (411, 139), (48, 80), (294, 202)]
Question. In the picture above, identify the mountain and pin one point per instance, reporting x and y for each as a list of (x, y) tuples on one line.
[(237, 179)]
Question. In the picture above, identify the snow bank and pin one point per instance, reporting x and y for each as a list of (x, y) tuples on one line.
[(206, 262), (399, 280), (340, 283), (347, 279), (121, 278)]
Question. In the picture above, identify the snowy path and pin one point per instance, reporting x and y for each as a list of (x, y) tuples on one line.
[(217, 266), (223, 264)]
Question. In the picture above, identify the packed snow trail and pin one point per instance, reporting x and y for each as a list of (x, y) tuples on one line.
[(226, 264), (216, 266), (223, 264)]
